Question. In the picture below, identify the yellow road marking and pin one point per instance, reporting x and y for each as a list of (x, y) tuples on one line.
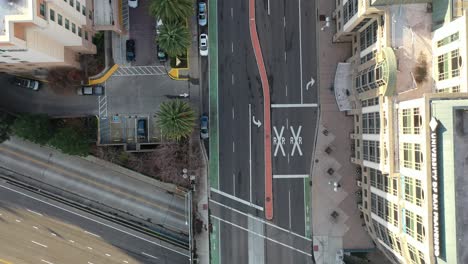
[(100, 185), (105, 76), (5, 262)]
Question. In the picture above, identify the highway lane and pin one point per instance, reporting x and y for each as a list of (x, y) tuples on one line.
[(91, 182), (34, 229)]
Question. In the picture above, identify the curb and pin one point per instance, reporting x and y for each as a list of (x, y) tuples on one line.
[(103, 76)]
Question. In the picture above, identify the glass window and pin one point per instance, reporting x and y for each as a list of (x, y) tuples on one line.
[(59, 19), (78, 6), (83, 10), (79, 32), (52, 15), (67, 23), (73, 28), (72, 3), (42, 9)]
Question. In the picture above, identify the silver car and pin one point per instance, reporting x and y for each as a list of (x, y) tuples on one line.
[(203, 44)]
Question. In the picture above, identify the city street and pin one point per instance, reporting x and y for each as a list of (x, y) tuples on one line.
[(38, 230), (288, 43)]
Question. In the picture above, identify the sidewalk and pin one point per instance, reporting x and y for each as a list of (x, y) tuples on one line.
[(200, 196), (336, 221)]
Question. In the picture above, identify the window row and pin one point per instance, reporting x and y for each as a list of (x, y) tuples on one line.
[(411, 121), (368, 36), (448, 39), (388, 237), (414, 192), (412, 156), (448, 65), (416, 256), (350, 8), (371, 123), (60, 21), (369, 56), (383, 182), (370, 102), (369, 78), (386, 210), (453, 89), (371, 150), (77, 5), (414, 226)]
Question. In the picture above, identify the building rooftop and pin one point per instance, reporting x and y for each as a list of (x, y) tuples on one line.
[(11, 7)]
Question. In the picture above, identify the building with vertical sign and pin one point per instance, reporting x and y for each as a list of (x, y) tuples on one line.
[(409, 101)]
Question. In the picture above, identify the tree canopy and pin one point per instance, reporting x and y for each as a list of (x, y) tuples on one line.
[(176, 119), (174, 38), (171, 10)]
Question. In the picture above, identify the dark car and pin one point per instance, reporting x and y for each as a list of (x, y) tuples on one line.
[(90, 90), (130, 46), (162, 56), (141, 128), (26, 83)]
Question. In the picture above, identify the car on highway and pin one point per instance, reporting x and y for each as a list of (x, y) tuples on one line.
[(204, 126), (141, 128), (203, 44), (130, 49), (202, 14), (90, 90), (27, 83), (133, 3), (162, 56)]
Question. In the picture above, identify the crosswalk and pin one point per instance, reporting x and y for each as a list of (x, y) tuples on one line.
[(140, 70)]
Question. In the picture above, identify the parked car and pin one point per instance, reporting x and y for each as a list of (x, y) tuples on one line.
[(130, 49), (204, 126), (90, 90), (133, 3), (203, 44), (141, 128), (162, 56), (202, 14), (27, 83)]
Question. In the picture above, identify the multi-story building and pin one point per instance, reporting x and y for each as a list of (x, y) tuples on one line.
[(407, 92), (36, 35)]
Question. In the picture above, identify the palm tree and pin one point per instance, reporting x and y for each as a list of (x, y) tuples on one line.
[(174, 39), (176, 119), (171, 10)]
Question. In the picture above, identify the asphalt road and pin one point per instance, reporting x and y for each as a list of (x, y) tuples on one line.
[(18, 99), (92, 183), (287, 36), (34, 229)]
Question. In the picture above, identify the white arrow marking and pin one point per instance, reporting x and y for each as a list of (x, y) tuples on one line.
[(256, 122), (310, 83)]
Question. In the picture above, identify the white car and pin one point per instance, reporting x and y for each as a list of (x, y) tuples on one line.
[(203, 44), (202, 14), (133, 3)]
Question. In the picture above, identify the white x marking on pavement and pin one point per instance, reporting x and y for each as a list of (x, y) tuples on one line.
[(279, 141), (297, 140)]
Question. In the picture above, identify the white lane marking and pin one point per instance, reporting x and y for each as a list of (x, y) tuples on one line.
[(232, 12), (108, 255), (232, 47), (236, 199), (297, 140), (148, 255), (233, 147), (90, 248), (260, 220), (288, 158), (232, 112), (268, 7), (18, 221), (71, 241), (89, 233), (35, 227), (286, 90), (232, 79), (300, 51), (287, 123), (39, 244), (262, 236), (96, 221), (293, 105), (290, 176), (285, 56), (284, 21), (234, 184), (289, 200), (45, 261), (250, 153), (34, 212)]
